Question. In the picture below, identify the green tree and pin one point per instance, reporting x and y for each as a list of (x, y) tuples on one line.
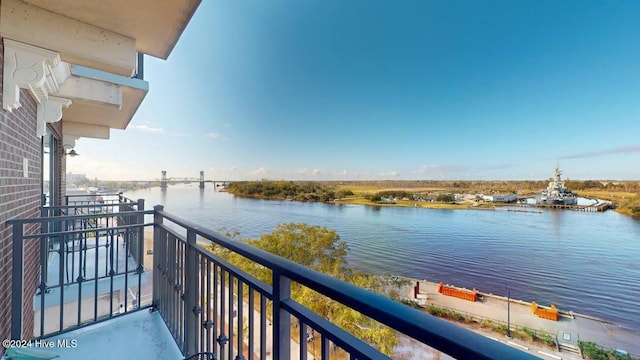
[(322, 250), (300, 191), (445, 198)]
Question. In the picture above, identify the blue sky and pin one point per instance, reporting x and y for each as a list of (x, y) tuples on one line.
[(340, 90)]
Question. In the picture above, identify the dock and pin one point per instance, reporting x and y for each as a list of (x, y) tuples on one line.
[(599, 207)]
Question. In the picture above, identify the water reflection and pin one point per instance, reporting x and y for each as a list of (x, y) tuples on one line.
[(557, 222)]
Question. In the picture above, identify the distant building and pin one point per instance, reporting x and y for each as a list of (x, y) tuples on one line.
[(76, 178), (501, 198)]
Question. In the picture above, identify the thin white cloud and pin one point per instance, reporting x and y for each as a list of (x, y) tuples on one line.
[(146, 128), (108, 170), (496, 166), (214, 136), (259, 171), (306, 171), (437, 169), (590, 154)]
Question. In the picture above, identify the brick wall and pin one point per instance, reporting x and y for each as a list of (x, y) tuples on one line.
[(19, 198)]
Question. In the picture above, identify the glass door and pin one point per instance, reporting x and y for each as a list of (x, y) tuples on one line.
[(49, 170)]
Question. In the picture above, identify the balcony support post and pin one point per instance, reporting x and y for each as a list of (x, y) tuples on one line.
[(191, 299), (157, 272), (282, 319), (17, 282), (140, 244)]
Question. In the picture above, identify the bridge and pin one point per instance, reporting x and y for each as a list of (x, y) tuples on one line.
[(165, 181)]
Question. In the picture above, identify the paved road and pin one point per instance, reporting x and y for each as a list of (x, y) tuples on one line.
[(584, 328)]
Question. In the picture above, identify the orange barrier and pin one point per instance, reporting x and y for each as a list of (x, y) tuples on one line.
[(549, 314), (459, 293)]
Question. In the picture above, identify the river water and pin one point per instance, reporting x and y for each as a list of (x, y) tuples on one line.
[(585, 262)]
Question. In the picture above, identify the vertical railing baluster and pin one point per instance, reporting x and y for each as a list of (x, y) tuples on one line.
[(73, 259), (106, 248), (281, 319), (164, 282), (80, 278), (96, 275), (239, 316), (263, 326), (325, 348), (171, 282), (177, 291), (231, 314), (44, 262), (191, 292), (173, 279), (140, 221), (157, 252), (210, 318), (116, 243), (166, 287), (109, 256), (62, 260), (251, 310), (222, 339), (17, 281), (202, 300), (182, 304), (127, 240), (303, 339), (215, 318)]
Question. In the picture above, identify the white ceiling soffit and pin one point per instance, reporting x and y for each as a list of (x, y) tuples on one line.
[(104, 114), (100, 99), (156, 25)]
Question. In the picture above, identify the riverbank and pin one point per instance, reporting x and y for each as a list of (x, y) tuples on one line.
[(424, 194), (627, 203), (626, 200), (419, 204), (570, 327)]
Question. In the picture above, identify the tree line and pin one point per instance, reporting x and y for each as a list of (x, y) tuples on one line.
[(505, 186), (287, 190)]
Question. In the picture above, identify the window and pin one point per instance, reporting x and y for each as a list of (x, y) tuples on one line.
[(49, 169)]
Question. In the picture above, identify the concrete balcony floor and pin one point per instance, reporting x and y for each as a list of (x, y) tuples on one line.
[(140, 335)]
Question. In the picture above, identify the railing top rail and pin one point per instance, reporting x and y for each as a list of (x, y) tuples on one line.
[(93, 205), (81, 231), (90, 194), (440, 334), (42, 220)]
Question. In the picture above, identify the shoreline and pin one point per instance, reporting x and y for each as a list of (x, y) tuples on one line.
[(466, 205), (419, 204)]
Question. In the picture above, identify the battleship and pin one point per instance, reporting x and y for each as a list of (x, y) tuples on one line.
[(556, 192)]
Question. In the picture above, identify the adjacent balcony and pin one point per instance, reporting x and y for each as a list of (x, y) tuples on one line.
[(120, 281)]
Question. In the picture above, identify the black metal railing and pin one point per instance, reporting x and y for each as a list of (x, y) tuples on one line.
[(91, 264), (209, 305), (212, 306)]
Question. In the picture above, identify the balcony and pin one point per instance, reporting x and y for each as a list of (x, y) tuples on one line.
[(106, 283)]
